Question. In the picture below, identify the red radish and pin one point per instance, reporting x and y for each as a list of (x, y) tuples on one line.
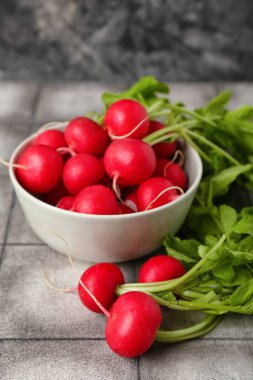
[(81, 171), (42, 168), (52, 137), (129, 161), (132, 324), (123, 209), (84, 135), (163, 149), (148, 193), (131, 200), (161, 268), (101, 279), (128, 118), (66, 203), (53, 196), (96, 199), (172, 171)]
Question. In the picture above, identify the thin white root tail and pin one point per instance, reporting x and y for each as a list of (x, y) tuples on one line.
[(65, 150), (178, 153), (163, 192), (5, 163), (106, 312), (114, 137), (60, 290), (115, 187)]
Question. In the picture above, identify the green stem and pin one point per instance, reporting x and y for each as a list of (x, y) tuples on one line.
[(185, 136), (201, 328), (166, 130), (214, 146), (194, 305), (192, 113), (171, 136), (154, 287)]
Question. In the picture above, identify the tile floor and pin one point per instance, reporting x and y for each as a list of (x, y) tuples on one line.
[(46, 335)]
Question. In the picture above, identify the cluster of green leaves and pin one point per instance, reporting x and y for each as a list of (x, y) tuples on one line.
[(224, 280)]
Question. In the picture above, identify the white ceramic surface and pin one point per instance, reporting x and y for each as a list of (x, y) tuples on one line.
[(110, 238)]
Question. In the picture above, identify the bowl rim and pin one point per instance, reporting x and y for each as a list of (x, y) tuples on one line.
[(27, 141)]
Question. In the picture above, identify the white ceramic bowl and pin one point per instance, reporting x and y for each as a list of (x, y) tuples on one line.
[(108, 238)]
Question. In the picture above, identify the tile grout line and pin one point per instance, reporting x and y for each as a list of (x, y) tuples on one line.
[(138, 364), (13, 197), (50, 339), (34, 106)]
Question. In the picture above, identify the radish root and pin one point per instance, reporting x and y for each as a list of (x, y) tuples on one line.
[(5, 163), (66, 150), (115, 187), (163, 192), (178, 153), (114, 137), (106, 312), (60, 290)]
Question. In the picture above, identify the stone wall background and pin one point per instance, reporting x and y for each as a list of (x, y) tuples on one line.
[(118, 41)]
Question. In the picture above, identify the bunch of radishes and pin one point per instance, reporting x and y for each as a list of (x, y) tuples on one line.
[(105, 170), (134, 318)]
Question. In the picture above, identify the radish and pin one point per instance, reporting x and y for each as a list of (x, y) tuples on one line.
[(101, 279), (39, 168), (163, 149), (129, 161), (96, 199), (132, 324), (123, 209), (155, 192), (131, 200), (66, 203), (52, 137), (84, 135), (161, 268), (127, 118), (81, 171), (54, 196), (172, 171)]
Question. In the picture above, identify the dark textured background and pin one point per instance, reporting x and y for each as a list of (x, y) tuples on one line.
[(109, 40)]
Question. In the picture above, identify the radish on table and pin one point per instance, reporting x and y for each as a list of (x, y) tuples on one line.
[(101, 279), (161, 268)]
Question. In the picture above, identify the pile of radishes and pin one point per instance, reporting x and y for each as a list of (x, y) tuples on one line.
[(103, 169), (134, 317)]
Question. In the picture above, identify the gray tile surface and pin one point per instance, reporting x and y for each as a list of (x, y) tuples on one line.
[(242, 93), (66, 101), (63, 360), (6, 195), (49, 335), (10, 136), (19, 231), (199, 360), (29, 309), (16, 101), (194, 95)]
